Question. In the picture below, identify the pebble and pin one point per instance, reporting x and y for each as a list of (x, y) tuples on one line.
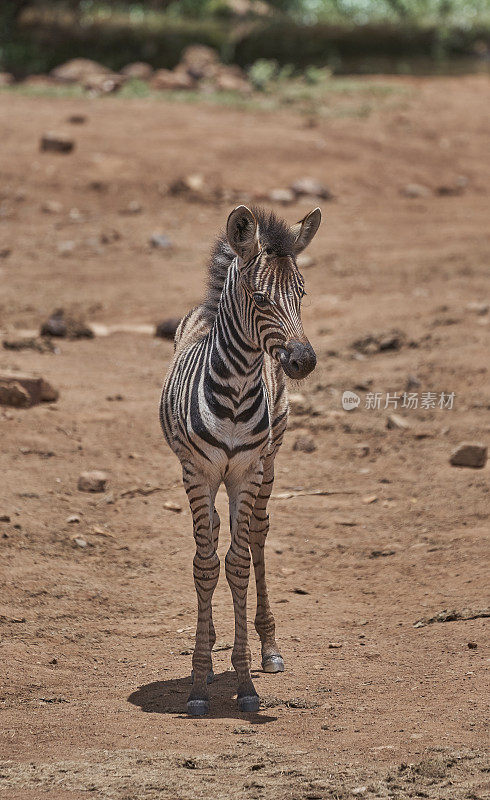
[(161, 241), (133, 207), (4, 518), (469, 454), (23, 391), (171, 506), (478, 308), (73, 518), (95, 481), (414, 190), (305, 444), (396, 421), (79, 541), (362, 449), (52, 207), (334, 645), (368, 499), (472, 645), (311, 188), (56, 143)]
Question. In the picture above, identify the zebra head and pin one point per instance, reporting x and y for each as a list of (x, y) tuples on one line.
[(272, 287)]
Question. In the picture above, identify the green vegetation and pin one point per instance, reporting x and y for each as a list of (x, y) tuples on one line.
[(343, 35)]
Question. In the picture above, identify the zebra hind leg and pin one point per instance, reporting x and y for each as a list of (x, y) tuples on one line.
[(272, 660), (212, 632), (242, 496), (206, 571)]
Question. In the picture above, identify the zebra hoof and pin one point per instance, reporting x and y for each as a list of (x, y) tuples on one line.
[(249, 704), (209, 678), (197, 708), (273, 664)]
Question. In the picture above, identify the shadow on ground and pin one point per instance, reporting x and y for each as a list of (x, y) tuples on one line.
[(170, 697)]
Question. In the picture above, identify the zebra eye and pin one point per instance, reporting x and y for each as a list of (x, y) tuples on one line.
[(260, 299)]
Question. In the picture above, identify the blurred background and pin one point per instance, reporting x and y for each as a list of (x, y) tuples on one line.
[(346, 36)]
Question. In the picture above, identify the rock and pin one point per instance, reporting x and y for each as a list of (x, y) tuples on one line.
[(469, 454), (4, 518), (104, 84), (414, 190), (39, 345), (304, 260), (78, 70), (167, 328), (79, 541), (23, 391), (171, 506), (66, 248), (334, 645), (161, 241), (376, 343), (195, 188), (310, 187), (6, 79), (138, 70), (478, 308), (231, 79), (166, 79), (363, 449), (453, 189), (95, 481), (368, 499), (282, 196), (133, 207), (52, 207), (65, 326), (472, 645), (73, 519), (200, 61), (298, 404), (395, 421), (56, 143), (305, 444), (77, 119)]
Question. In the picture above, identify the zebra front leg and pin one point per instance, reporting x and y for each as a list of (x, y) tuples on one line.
[(206, 571), (242, 496), (212, 632), (265, 625)]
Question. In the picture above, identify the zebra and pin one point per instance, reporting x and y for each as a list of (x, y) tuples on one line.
[(224, 411)]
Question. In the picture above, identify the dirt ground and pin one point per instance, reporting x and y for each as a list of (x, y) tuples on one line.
[(96, 640)]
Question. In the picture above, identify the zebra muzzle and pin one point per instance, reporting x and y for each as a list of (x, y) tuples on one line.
[(297, 360)]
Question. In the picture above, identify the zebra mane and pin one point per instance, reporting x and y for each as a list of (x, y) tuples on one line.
[(274, 234)]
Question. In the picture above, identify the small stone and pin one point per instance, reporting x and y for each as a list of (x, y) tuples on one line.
[(369, 498), (171, 506), (305, 444), (468, 454), (363, 449), (66, 248), (77, 119), (79, 541), (54, 661), (56, 143), (52, 207), (161, 241), (395, 421), (334, 645), (62, 325), (95, 481), (167, 328), (299, 590), (478, 308), (4, 518), (22, 391), (171, 80), (414, 190), (304, 260), (133, 207), (282, 196), (311, 188), (73, 519), (453, 189), (298, 404), (472, 645), (138, 70)]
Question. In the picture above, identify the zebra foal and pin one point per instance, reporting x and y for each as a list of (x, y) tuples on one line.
[(224, 411)]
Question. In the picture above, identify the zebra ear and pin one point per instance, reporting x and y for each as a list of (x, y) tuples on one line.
[(305, 229), (242, 233)]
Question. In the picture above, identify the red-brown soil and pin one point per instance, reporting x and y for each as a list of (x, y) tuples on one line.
[(95, 671)]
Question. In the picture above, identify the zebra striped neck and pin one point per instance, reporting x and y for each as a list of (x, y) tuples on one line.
[(234, 358)]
